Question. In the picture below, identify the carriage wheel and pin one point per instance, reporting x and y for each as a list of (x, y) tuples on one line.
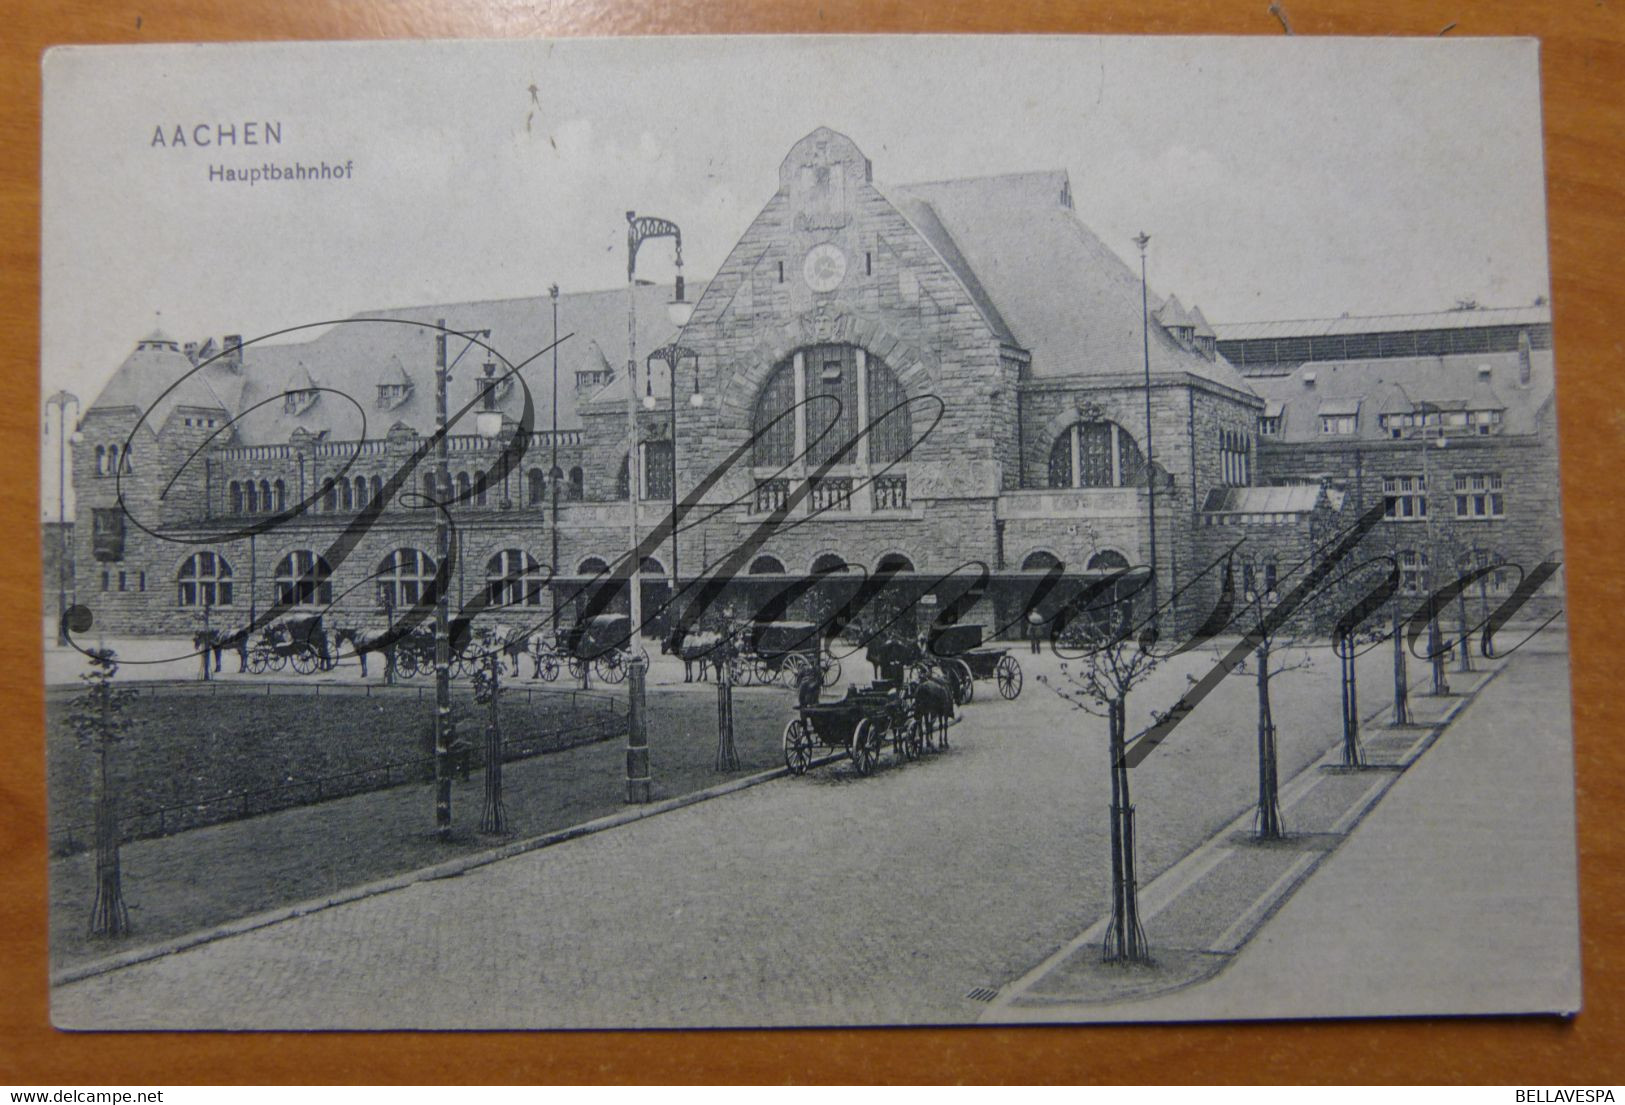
[(742, 670), (278, 661), (963, 682), (611, 667), (576, 666), (258, 661), (795, 666), (406, 663), (830, 669), (762, 671), (906, 739), (548, 668), (862, 748), (797, 746), (1009, 674), (304, 661)]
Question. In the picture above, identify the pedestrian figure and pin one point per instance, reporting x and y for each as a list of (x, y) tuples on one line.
[(240, 642), (1035, 627)]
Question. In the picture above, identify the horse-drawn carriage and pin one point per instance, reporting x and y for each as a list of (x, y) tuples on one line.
[(858, 724), (784, 652), (297, 642), (603, 641), (959, 648), (914, 716)]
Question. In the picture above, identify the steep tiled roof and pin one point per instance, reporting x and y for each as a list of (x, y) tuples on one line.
[(1067, 298), (398, 345), (145, 379), (1402, 384)]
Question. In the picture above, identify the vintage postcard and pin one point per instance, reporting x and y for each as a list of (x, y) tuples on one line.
[(801, 531)]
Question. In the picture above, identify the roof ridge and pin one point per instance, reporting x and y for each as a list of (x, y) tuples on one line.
[(982, 177)]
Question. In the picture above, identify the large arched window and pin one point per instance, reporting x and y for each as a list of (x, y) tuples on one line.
[(405, 577), (767, 566), (578, 485), (536, 487), (330, 496), (252, 501), (236, 497), (303, 579), (280, 490), (592, 566), (204, 580), (829, 562), (377, 490), (1108, 560), (840, 389), (1095, 454), (513, 578), (346, 495), (1040, 561), (894, 562), (361, 493), (265, 496)]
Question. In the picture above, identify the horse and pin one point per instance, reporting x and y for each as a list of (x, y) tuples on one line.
[(933, 703)]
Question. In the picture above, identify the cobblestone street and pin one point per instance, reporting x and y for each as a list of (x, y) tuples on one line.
[(827, 899)]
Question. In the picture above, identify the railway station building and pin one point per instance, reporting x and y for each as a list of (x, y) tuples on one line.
[(885, 378)]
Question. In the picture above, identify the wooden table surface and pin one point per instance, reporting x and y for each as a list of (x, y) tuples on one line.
[(1582, 62)]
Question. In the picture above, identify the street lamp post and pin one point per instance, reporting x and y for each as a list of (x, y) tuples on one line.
[(62, 400), (672, 355), (1441, 684), (553, 473), (1150, 472), (443, 724), (639, 229)]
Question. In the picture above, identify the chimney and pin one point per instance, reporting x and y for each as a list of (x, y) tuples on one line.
[(190, 349), (232, 351), (1523, 358)]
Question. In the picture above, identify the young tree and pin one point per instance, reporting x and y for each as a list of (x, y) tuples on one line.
[(97, 717), (488, 693), (1278, 647), (1114, 661)]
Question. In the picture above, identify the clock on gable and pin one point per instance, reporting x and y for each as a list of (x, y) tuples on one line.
[(824, 267)]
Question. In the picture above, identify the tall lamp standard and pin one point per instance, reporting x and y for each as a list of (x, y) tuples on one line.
[(1435, 644), (62, 400), (639, 229), (672, 355), (553, 473), (442, 600), (1150, 472)]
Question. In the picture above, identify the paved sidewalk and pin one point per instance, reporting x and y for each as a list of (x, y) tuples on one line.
[(1445, 884)]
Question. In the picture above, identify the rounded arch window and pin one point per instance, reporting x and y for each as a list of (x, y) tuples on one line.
[(1095, 454), (767, 566), (592, 566), (406, 577), (894, 562), (536, 486), (1108, 560), (578, 485), (303, 578), (826, 395), (513, 578), (830, 562), (1040, 561), (204, 580)]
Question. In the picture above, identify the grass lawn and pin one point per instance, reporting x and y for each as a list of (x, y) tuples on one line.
[(202, 877), (205, 755)]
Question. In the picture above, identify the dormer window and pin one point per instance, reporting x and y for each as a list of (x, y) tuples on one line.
[(298, 402)]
